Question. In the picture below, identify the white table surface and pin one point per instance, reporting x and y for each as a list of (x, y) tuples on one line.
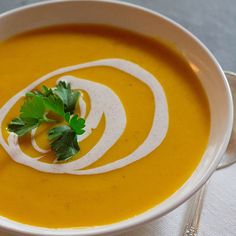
[(214, 22)]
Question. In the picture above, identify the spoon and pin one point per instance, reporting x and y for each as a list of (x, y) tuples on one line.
[(229, 158)]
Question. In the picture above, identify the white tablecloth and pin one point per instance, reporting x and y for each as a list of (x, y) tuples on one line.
[(218, 215)]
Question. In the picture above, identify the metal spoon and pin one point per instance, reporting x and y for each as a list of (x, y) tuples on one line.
[(193, 219)]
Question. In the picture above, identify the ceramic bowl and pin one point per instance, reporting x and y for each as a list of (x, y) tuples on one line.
[(150, 23)]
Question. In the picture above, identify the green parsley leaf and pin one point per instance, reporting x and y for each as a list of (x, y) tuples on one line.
[(67, 117), (63, 142), (61, 101), (46, 92), (57, 131), (54, 103), (68, 97), (22, 126), (77, 124), (33, 107), (32, 114)]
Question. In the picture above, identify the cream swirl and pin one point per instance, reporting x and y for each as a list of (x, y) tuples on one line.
[(103, 102)]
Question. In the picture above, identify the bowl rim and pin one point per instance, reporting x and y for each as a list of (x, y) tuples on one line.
[(130, 223)]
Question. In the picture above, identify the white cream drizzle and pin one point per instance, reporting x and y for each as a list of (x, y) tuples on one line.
[(82, 105), (103, 102), (34, 144)]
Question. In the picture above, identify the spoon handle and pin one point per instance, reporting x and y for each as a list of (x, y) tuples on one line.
[(194, 214)]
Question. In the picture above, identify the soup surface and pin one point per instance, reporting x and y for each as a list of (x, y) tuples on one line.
[(147, 125)]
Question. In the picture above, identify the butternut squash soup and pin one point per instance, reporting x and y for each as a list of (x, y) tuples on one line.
[(97, 125)]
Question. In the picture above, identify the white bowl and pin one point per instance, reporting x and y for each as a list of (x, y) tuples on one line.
[(146, 22)]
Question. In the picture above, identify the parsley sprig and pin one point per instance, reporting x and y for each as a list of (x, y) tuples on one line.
[(61, 101)]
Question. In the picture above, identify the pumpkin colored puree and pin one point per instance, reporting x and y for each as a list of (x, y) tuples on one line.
[(63, 200)]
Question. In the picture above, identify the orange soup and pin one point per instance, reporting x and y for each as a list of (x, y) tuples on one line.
[(146, 128)]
